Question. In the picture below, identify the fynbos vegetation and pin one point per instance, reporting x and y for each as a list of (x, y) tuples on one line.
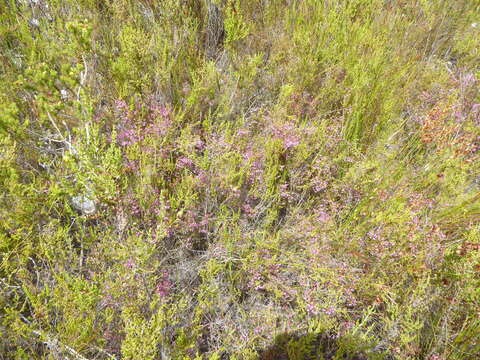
[(239, 179)]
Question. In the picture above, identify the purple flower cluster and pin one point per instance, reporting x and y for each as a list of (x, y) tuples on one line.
[(323, 217), (255, 161), (256, 282), (185, 163), (288, 134), (134, 127), (130, 264), (194, 225), (128, 136), (164, 285)]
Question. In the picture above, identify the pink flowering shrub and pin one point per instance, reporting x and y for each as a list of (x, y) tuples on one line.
[(265, 179)]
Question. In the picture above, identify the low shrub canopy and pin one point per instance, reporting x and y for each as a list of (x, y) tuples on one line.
[(234, 179)]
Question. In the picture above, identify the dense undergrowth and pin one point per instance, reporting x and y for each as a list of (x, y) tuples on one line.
[(275, 179)]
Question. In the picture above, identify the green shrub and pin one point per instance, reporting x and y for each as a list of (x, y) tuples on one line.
[(239, 180)]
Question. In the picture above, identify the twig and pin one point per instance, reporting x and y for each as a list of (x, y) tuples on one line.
[(70, 147), (111, 356), (83, 77), (55, 345)]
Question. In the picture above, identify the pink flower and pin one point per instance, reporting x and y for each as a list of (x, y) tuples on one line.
[(202, 177), (312, 309), (200, 145), (129, 264), (165, 112), (247, 209), (323, 216), (287, 133), (131, 165), (128, 137), (121, 105), (243, 132), (320, 185), (290, 142), (159, 128), (330, 311), (185, 162), (164, 286)]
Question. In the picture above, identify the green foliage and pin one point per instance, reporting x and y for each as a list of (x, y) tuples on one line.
[(131, 65), (235, 26), (188, 179)]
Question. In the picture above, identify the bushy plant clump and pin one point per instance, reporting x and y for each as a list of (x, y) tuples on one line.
[(234, 179)]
